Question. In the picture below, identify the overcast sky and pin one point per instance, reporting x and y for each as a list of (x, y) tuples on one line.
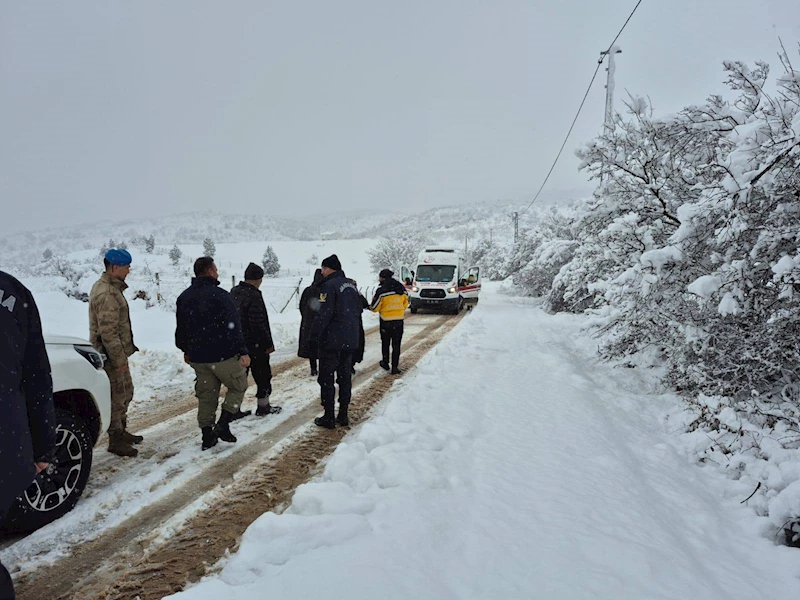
[(301, 107)]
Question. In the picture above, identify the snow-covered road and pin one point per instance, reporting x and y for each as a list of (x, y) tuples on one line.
[(510, 464)]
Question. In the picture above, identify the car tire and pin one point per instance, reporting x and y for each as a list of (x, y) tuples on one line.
[(56, 490)]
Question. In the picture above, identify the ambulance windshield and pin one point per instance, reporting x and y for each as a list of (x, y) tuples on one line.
[(436, 273)]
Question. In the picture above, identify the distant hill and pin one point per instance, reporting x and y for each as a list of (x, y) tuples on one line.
[(451, 222)]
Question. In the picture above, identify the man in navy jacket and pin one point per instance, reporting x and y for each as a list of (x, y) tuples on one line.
[(28, 422), (336, 334), (210, 335)]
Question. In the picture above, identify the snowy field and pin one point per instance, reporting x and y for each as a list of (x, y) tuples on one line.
[(511, 464)]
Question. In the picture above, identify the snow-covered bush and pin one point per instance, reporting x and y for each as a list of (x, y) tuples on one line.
[(691, 248)]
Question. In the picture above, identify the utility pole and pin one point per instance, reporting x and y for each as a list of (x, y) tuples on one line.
[(610, 83), (610, 72), (515, 218)]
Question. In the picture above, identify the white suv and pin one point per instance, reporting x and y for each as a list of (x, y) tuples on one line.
[(82, 396)]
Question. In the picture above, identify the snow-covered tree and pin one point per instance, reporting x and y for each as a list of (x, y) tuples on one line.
[(47, 254), (175, 255), (270, 262), (150, 244), (396, 251), (209, 248)]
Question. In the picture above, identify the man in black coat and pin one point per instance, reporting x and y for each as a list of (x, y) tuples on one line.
[(309, 306), (209, 333), (335, 332), (257, 335), (28, 421)]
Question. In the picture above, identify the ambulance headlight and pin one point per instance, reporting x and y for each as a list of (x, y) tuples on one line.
[(451, 290), (414, 288)]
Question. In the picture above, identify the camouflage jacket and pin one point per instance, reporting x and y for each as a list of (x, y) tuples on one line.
[(110, 320)]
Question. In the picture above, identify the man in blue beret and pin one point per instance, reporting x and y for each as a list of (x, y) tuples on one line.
[(110, 333)]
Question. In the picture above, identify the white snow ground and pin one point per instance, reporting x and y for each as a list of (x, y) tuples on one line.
[(510, 464)]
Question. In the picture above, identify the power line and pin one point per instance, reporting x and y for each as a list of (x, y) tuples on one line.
[(580, 108)]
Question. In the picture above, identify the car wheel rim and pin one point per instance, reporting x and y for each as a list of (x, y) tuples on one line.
[(52, 487)]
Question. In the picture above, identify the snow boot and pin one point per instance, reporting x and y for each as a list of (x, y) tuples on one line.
[(127, 436), (396, 371), (327, 420), (239, 414), (131, 438), (223, 429), (117, 445), (342, 418), (209, 438), (314, 372), (263, 411), (384, 365)]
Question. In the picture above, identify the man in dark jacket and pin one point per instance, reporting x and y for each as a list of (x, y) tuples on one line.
[(257, 335), (309, 306), (28, 422), (335, 332), (209, 333)]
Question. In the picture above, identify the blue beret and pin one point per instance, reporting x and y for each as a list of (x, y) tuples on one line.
[(118, 257)]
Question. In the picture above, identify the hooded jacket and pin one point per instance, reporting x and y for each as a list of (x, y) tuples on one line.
[(390, 300)]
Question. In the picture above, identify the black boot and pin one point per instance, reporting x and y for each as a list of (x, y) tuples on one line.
[(384, 365), (396, 371), (327, 420), (263, 411), (342, 419), (223, 429), (239, 414), (209, 438)]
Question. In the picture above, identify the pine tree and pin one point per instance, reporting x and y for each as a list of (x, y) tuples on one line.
[(175, 255), (209, 248), (270, 261), (150, 244)]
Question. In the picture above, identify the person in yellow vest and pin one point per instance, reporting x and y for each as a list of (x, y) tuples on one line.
[(390, 302)]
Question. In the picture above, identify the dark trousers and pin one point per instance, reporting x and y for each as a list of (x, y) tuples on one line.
[(312, 363), (391, 334), (334, 367), (6, 585), (262, 373)]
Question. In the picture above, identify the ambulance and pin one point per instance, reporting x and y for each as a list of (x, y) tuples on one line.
[(441, 282)]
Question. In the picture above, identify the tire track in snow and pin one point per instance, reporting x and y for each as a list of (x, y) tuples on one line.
[(239, 487)]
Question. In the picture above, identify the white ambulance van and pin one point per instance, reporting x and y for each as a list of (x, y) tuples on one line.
[(441, 282)]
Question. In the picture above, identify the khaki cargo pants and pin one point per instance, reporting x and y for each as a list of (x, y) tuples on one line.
[(210, 378), (121, 396)]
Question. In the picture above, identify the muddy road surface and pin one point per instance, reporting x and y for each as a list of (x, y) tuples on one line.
[(147, 526)]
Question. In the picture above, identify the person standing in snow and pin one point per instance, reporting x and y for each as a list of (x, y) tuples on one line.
[(110, 333), (390, 302), (335, 333), (257, 335), (309, 306), (209, 333), (28, 420)]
